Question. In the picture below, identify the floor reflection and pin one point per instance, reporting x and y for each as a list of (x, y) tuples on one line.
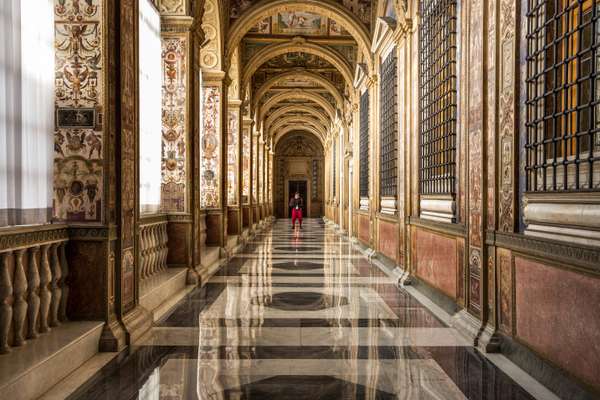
[(301, 315)]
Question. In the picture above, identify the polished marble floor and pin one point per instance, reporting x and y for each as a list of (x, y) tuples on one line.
[(300, 314)]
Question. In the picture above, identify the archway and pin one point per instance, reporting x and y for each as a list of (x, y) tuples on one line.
[(299, 158)]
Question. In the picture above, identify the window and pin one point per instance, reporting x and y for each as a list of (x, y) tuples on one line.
[(150, 62), (27, 117), (563, 116), (389, 126), (438, 96), (364, 145)]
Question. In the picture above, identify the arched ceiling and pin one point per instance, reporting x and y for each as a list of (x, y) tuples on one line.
[(296, 60)]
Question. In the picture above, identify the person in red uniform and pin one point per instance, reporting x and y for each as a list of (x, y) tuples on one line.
[(296, 203)]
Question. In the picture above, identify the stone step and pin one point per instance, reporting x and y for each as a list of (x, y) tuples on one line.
[(29, 371), (160, 289)]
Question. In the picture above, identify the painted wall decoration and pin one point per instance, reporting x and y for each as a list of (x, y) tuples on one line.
[(297, 59), (254, 168), (210, 148), (171, 7), (261, 172), (336, 29), (299, 23), (232, 150), (78, 150), (174, 102), (246, 164), (362, 9)]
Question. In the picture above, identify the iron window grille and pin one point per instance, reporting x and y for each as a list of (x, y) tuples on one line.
[(388, 126), (563, 96), (438, 96), (364, 145)]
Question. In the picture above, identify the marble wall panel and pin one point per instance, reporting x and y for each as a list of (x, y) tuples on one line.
[(364, 224), (174, 123), (435, 260), (557, 316), (388, 239), (78, 138)]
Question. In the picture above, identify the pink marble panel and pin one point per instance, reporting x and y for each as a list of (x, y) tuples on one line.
[(557, 315), (388, 239), (363, 228), (436, 260)]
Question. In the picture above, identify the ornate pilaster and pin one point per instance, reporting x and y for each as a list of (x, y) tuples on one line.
[(234, 169), (177, 126)]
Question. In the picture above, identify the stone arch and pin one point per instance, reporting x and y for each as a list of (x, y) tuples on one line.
[(299, 74), (211, 53), (326, 8), (295, 95), (296, 127), (295, 109), (297, 45), (316, 124)]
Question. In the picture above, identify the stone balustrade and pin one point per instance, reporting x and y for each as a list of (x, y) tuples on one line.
[(153, 247), (34, 287)]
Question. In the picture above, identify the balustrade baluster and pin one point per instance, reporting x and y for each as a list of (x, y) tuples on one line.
[(6, 292), (144, 243), (153, 252), (19, 303), (62, 312), (163, 247), (45, 295), (33, 297), (55, 285)]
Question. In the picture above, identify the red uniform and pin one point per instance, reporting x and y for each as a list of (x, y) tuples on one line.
[(296, 205)]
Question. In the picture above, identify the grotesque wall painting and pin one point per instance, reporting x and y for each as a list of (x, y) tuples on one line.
[(78, 139), (173, 125), (232, 148), (246, 145), (210, 148)]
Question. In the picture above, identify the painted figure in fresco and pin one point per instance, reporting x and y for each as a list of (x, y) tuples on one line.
[(296, 203)]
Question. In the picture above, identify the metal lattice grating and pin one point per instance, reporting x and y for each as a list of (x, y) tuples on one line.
[(562, 115), (438, 96)]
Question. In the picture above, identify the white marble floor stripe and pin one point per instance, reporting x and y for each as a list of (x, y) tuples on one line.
[(304, 279), (212, 336)]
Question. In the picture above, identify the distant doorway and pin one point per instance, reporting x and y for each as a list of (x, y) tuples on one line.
[(300, 187)]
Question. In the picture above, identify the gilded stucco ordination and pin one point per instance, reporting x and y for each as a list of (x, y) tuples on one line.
[(232, 157), (78, 139), (174, 122), (210, 147)]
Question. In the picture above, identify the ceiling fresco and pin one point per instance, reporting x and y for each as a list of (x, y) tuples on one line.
[(301, 22)]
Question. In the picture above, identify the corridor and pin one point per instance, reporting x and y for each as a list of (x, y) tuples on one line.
[(300, 315)]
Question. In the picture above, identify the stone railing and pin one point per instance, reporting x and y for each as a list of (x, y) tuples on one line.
[(153, 246), (33, 282)]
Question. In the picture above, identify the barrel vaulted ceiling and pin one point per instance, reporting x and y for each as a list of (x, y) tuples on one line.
[(295, 61)]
